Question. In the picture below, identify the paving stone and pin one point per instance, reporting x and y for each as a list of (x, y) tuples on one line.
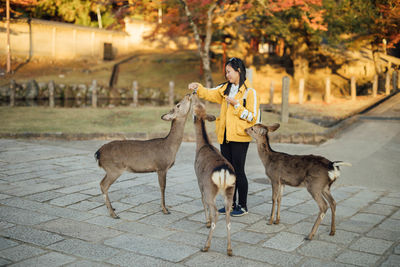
[(371, 245), (30, 189), (84, 249), (263, 227), (186, 225), (355, 226), (4, 262), (397, 249), (391, 261), (21, 252), (68, 199), (390, 224), (44, 196), (357, 258), (162, 249), (118, 206), (84, 263), (106, 221), (161, 219), (380, 233), (144, 229), (284, 241), (379, 209), (317, 263), (131, 216), (126, 259), (249, 237), (250, 218), (51, 259), (23, 217), (304, 228), (3, 196), (319, 249), (192, 239), (366, 217), (80, 188), (30, 235), (147, 208), (81, 230), (389, 201), (186, 208), (396, 215), (4, 225), (267, 255), (6, 243), (216, 259), (85, 205), (288, 217), (340, 237), (309, 208), (46, 208)]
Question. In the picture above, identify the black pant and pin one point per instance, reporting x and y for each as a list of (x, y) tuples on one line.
[(235, 153)]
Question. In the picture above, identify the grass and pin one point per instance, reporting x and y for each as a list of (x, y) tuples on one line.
[(145, 119)]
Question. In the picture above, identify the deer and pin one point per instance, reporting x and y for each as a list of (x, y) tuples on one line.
[(316, 173), (215, 175), (144, 156)]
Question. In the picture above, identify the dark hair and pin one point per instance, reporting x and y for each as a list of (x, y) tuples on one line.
[(238, 65)]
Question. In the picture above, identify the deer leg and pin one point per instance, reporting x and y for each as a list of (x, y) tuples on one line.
[(332, 203), (105, 184), (278, 208), (206, 211), (275, 189), (228, 207), (162, 180), (322, 211), (214, 217)]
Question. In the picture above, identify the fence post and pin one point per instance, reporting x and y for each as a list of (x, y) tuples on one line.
[(387, 83), (51, 94), (94, 94), (301, 91), (398, 80), (353, 88), (271, 94), (135, 93), (375, 86), (13, 86), (394, 80), (285, 99), (328, 90), (171, 93)]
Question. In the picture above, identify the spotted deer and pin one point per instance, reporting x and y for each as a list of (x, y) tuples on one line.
[(316, 173), (154, 155), (215, 175)]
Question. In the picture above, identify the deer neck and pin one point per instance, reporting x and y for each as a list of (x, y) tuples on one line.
[(263, 146), (201, 134), (175, 136)]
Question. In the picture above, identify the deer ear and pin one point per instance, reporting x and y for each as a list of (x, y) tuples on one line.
[(168, 117), (273, 127), (210, 117)]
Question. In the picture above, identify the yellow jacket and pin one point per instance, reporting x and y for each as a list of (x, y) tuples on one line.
[(234, 120)]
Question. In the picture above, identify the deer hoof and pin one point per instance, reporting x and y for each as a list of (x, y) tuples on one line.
[(115, 216), (208, 224), (270, 222), (276, 222), (332, 233), (308, 238), (229, 252), (205, 249), (166, 211)]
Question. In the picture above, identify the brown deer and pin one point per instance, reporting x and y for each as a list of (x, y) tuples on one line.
[(154, 155), (316, 173), (214, 174)]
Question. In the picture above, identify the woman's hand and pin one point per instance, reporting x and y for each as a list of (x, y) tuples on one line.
[(231, 101), (193, 86)]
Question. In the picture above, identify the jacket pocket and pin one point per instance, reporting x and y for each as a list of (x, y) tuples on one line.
[(241, 126)]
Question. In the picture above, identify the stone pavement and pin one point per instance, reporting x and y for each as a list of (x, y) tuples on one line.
[(52, 214)]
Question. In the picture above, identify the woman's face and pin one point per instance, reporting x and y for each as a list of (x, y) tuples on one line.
[(231, 75)]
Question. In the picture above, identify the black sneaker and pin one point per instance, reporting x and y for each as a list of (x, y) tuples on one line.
[(223, 211), (239, 211)]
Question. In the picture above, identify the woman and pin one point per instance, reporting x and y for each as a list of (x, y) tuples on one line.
[(239, 110)]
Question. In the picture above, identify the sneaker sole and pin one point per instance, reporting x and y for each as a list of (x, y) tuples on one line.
[(239, 215)]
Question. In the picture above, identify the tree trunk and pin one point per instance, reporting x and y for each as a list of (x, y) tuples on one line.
[(300, 62), (204, 50)]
